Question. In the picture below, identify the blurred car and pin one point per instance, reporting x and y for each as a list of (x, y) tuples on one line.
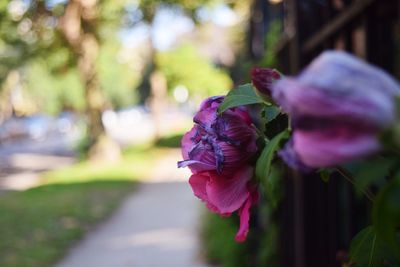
[(129, 126), (66, 122), (35, 127)]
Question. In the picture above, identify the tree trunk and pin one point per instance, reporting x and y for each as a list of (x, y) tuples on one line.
[(158, 87), (93, 94), (78, 26)]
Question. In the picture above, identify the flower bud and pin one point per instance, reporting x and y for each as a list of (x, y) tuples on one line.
[(338, 105), (262, 79)]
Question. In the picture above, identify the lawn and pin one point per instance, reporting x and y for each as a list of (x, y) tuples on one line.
[(38, 225), (136, 163)]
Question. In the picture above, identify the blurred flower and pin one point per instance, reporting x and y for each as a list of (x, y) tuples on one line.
[(338, 105), (263, 78), (218, 150)]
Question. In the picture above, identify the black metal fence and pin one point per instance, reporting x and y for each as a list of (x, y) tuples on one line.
[(318, 219)]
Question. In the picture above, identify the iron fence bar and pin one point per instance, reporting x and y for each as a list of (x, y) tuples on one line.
[(336, 24)]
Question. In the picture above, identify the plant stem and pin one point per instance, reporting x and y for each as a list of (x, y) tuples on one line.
[(258, 131), (368, 194)]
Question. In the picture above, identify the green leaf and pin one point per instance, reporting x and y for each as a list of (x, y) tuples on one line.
[(273, 186), (243, 95), (386, 214), (325, 175), (366, 249), (270, 113), (263, 165), (370, 172)]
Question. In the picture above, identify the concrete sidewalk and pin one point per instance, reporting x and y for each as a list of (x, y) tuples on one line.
[(156, 226)]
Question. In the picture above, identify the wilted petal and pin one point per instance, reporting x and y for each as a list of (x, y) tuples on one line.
[(187, 142), (229, 194), (207, 114), (206, 118), (196, 166), (211, 102)]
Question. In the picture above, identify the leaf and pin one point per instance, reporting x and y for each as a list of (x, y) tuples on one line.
[(273, 186), (243, 95), (325, 175), (270, 113), (366, 250), (263, 165), (386, 214), (370, 172)]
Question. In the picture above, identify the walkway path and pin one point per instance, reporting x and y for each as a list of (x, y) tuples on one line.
[(23, 161), (155, 226)]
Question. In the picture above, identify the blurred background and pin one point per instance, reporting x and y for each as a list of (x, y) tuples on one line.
[(95, 96)]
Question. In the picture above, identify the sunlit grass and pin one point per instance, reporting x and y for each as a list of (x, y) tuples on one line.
[(37, 226), (135, 164)]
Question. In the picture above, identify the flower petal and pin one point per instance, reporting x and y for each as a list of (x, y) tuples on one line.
[(229, 194), (198, 183), (322, 149), (196, 166), (337, 84), (300, 100), (244, 214), (291, 158), (187, 142), (263, 78), (207, 114)]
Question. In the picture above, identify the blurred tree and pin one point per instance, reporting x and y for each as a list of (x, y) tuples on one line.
[(185, 66), (117, 77), (54, 93), (69, 37)]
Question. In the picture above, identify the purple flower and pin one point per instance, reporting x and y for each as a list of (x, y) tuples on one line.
[(338, 105), (218, 142), (263, 78), (218, 150)]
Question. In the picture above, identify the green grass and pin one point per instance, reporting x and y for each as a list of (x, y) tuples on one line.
[(37, 226), (170, 141), (136, 163)]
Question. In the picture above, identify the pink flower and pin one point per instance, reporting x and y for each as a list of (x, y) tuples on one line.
[(218, 150), (338, 105), (225, 195)]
